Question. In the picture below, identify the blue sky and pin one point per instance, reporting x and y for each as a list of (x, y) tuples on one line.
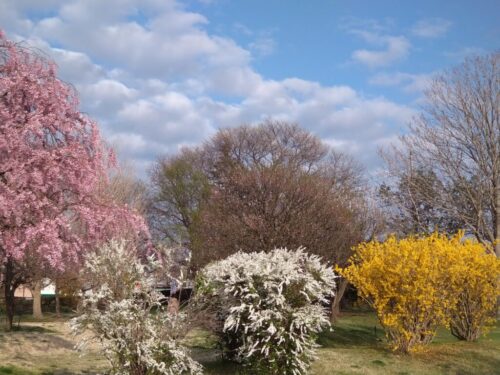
[(160, 74), (315, 40)]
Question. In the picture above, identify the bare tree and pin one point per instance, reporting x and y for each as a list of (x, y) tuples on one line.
[(457, 139), (254, 188), (124, 188), (409, 204), (178, 185)]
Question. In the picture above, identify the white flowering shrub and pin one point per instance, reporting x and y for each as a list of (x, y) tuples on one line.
[(269, 306), (123, 312)]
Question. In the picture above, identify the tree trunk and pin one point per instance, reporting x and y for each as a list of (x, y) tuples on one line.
[(36, 291), (58, 300), (497, 234), (9, 289), (335, 309), (10, 307), (173, 306), (496, 221)]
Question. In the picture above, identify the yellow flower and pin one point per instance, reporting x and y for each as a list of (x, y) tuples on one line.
[(418, 283)]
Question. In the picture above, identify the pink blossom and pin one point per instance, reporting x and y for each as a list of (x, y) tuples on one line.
[(51, 160)]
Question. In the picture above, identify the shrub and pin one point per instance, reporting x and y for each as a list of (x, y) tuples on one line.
[(123, 312), (418, 283), (478, 290), (269, 306), (406, 283)]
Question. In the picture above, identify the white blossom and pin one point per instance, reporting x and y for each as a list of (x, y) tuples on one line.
[(123, 312), (271, 304)]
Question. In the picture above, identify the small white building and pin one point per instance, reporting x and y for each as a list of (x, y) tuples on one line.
[(24, 292)]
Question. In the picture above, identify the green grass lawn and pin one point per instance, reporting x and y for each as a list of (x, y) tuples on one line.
[(355, 346)]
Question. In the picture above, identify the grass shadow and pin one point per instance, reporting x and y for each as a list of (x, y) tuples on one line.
[(346, 337), (353, 331), (39, 338), (48, 317), (31, 329), (14, 370), (213, 363), (222, 367), (200, 338)]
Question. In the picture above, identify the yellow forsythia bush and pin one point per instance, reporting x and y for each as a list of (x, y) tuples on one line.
[(478, 289), (418, 283)]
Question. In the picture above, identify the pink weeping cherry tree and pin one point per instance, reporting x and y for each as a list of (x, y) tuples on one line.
[(52, 163)]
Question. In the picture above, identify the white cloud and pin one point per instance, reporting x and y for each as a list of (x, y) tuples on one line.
[(157, 79), (461, 53), (130, 142), (395, 48), (263, 46), (10, 19), (241, 28), (106, 95), (375, 26), (411, 83), (170, 44), (431, 27), (387, 48)]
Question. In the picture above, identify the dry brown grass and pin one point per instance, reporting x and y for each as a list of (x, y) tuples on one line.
[(46, 347)]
